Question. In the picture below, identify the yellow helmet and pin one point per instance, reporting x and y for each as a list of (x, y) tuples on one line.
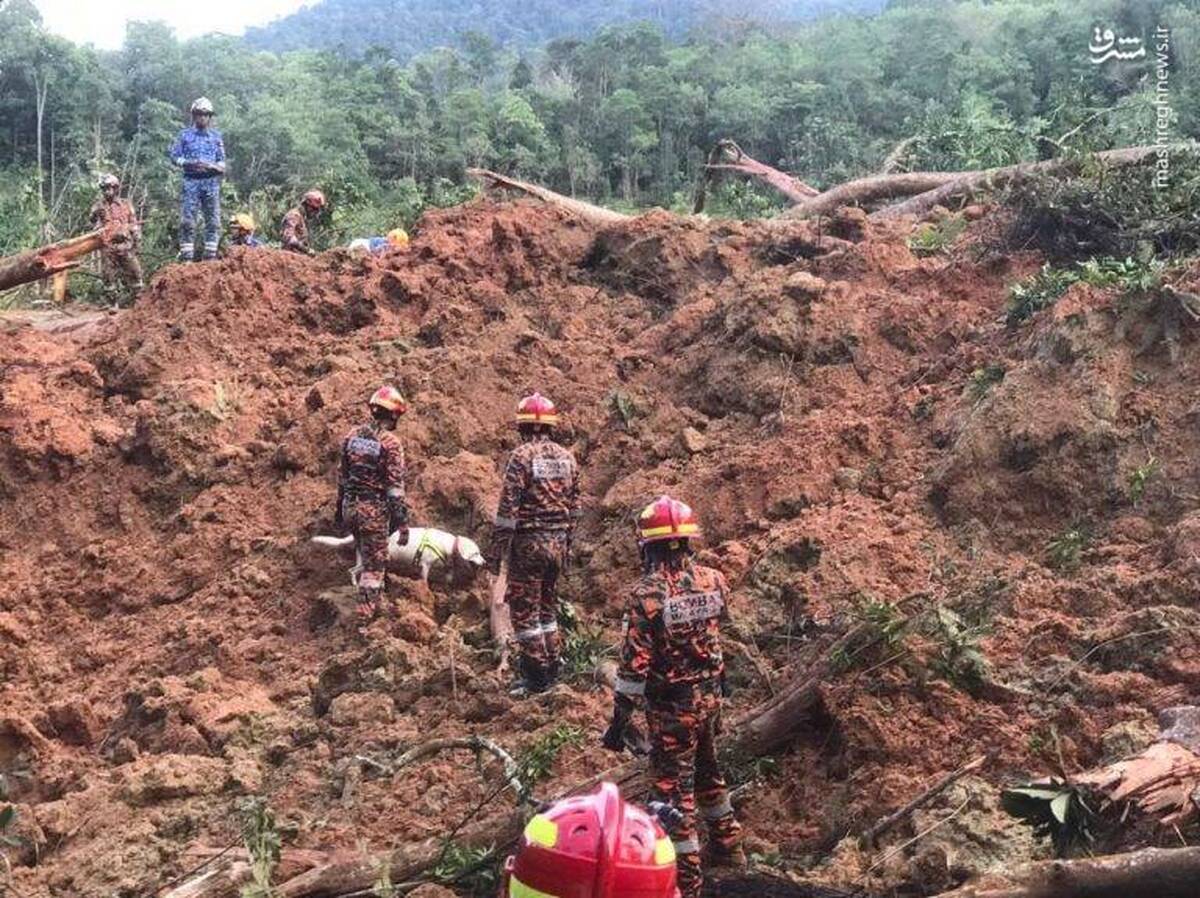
[(398, 237), (243, 221)]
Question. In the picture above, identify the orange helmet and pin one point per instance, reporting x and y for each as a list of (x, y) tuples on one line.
[(389, 398), (536, 409), (665, 519), (592, 846), (315, 199)]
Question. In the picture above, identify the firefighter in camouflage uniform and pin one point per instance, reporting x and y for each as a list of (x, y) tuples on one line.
[(115, 216), (671, 660), (371, 498), (535, 521)]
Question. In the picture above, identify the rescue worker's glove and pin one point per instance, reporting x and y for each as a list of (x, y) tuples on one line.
[(614, 736)]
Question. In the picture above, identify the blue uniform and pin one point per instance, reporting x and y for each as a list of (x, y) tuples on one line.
[(201, 187)]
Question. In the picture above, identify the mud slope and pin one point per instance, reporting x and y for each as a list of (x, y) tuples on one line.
[(170, 642)]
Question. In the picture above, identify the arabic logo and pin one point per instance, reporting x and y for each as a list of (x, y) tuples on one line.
[(1105, 46)]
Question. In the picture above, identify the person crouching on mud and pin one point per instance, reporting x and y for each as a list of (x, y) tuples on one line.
[(671, 661), (539, 505), (371, 498)]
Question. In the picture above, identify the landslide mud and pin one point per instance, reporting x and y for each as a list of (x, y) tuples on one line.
[(170, 641)]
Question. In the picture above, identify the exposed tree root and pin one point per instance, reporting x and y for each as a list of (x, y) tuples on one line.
[(1152, 873)]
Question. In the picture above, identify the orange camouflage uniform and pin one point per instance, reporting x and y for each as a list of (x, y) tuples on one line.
[(672, 657), (539, 505), (119, 255), (370, 486), (294, 232)]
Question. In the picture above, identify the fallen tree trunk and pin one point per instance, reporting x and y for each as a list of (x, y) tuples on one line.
[(1152, 873), (25, 268), (597, 215), (969, 183), (928, 189), (737, 160)]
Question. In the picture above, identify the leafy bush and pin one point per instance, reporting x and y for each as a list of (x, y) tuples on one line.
[(1043, 289), (1065, 550), (982, 381), (959, 658), (937, 237), (1057, 810)]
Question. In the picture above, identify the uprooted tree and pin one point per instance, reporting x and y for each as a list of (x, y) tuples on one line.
[(918, 192)]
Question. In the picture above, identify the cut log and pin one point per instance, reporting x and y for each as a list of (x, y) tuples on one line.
[(728, 156), (1152, 873), (597, 215), (25, 268)]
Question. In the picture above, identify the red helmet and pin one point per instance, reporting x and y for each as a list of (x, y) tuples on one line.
[(592, 846), (315, 199), (389, 398), (536, 409), (666, 518)]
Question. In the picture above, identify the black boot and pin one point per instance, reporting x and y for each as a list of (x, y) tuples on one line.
[(531, 678)]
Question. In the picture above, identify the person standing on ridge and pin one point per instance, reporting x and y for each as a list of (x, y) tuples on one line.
[(671, 661), (371, 500), (115, 216), (535, 522), (200, 152), (294, 230)]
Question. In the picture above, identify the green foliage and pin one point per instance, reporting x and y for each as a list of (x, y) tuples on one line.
[(982, 381), (1057, 810), (959, 658), (8, 816), (1030, 296), (536, 762), (624, 407), (1064, 552), (937, 237), (473, 871), (1140, 477), (884, 626), (262, 840), (1044, 288)]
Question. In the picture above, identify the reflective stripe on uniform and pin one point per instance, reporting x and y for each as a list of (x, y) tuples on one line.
[(518, 889), (530, 634), (687, 846), (541, 830), (395, 493), (679, 530), (715, 812), (551, 627), (664, 852), (503, 523), (630, 687)]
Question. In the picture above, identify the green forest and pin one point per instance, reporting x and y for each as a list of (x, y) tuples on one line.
[(624, 117)]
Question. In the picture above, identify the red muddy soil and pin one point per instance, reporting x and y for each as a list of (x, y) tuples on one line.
[(170, 641)]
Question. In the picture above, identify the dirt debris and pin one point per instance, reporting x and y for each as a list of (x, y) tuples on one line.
[(170, 640)]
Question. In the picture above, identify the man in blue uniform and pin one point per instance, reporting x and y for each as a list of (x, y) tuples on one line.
[(200, 152)]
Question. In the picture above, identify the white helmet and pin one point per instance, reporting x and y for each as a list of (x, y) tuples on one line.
[(204, 104), (109, 180)]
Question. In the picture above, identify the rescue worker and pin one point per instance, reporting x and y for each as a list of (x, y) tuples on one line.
[(295, 222), (671, 660), (371, 499), (535, 522), (200, 152), (241, 231), (115, 216), (592, 846)]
